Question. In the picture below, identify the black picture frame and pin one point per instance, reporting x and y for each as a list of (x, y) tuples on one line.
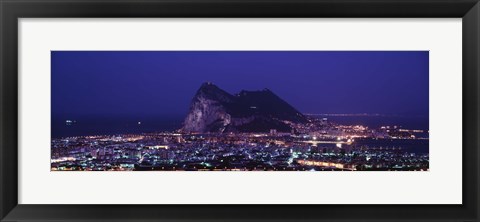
[(12, 10)]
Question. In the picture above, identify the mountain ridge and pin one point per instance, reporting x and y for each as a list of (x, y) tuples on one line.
[(214, 110)]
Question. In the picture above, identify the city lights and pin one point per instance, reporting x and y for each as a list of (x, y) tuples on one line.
[(318, 145)]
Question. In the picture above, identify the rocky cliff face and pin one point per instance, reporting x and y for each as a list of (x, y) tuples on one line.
[(214, 110)]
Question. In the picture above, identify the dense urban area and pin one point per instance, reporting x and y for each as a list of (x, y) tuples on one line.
[(319, 145)]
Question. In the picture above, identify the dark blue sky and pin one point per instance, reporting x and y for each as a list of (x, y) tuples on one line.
[(162, 83)]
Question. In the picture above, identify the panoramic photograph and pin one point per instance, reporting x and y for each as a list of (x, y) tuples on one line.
[(239, 111)]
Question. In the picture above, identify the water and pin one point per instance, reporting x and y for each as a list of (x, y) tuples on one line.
[(406, 122), (377, 121), (120, 125), (110, 126), (87, 126)]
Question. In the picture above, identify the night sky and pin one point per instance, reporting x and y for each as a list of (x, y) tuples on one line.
[(162, 83)]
